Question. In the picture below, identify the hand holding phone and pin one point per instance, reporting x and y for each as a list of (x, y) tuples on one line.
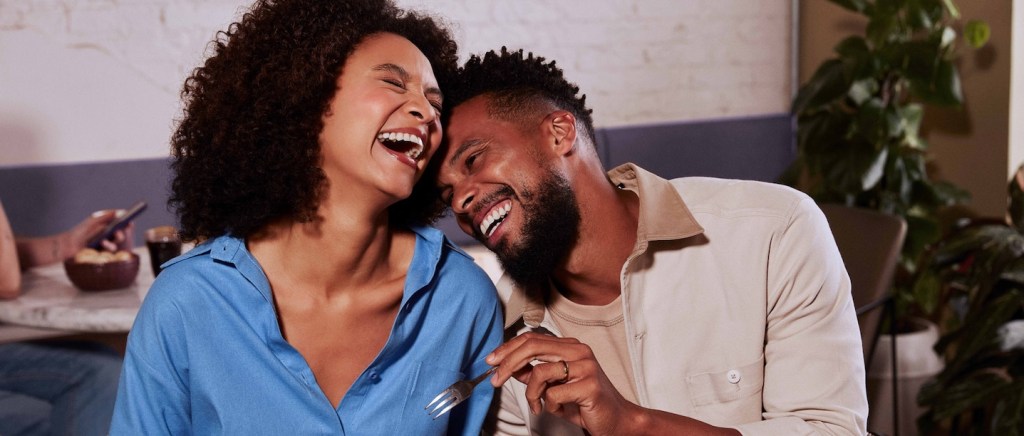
[(117, 224)]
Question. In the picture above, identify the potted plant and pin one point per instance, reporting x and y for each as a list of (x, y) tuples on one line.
[(973, 283), (859, 118)]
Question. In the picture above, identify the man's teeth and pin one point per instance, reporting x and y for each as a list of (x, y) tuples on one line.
[(413, 152), (495, 216)]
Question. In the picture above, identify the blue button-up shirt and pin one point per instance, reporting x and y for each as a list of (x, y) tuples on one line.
[(206, 355)]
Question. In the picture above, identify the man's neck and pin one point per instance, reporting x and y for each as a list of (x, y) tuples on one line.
[(609, 217)]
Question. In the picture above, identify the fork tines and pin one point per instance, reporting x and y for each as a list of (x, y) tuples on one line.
[(446, 400)]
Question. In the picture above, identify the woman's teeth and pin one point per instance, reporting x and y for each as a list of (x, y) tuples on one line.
[(394, 138), (495, 217)]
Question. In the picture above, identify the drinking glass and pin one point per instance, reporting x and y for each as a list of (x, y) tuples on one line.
[(163, 244)]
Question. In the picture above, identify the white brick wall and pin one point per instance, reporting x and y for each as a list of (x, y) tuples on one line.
[(98, 79)]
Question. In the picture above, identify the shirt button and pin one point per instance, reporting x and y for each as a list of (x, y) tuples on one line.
[(733, 376), (374, 377)]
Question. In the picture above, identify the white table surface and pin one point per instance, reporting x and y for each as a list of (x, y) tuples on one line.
[(50, 301)]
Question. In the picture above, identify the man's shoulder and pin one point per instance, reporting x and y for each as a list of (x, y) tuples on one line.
[(734, 196)]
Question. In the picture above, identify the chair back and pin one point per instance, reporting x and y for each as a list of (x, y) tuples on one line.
[(870, 243)]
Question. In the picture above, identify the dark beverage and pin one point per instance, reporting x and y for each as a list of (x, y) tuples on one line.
[(163, 245), (162, 251)]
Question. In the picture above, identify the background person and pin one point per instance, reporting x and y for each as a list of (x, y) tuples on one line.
[(694, 305), (318, 301), (53, 387)]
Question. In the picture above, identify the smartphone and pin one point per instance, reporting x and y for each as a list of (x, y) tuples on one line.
[(117, 224)]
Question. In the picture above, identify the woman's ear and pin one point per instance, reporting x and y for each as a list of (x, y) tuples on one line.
[(561, 128)]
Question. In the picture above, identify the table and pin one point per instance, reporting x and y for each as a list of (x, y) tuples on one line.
[(51, 306)]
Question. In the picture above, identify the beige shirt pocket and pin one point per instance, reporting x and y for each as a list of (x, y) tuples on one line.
[(728, 385)]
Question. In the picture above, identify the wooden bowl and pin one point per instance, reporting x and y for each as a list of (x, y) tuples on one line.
[(102, 276)]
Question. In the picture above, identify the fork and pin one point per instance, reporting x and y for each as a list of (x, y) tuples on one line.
[(455, 394)]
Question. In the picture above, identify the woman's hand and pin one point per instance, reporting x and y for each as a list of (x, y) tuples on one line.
[(78, 236)]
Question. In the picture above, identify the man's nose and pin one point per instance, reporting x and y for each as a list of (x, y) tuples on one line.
[(462, 200)]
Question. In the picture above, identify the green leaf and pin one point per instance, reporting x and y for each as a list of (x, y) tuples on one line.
[(918, 59), (828, 83), (883, 27), (911, 116), (870, 120), (943, 88), (852, 46), (862, 90), (947, 37), (948, 194), (977, 32), (1016, 206), (852, 5), (966, 394), (979, 330), (918, 16), (893, 122), (1014, 272), (951, 8), (1008, 414), (875, 170), (921, 231), (927, 289)]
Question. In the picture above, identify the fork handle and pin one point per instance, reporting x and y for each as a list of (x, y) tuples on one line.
[(481, 377)]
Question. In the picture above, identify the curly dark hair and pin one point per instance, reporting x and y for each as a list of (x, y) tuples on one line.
[(246, 151), (517, 83)]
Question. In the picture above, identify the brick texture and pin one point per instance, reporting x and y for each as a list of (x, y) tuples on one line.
[(638, 61)]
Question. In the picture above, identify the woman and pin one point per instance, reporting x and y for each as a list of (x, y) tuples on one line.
[(54, 387), (317, 302)]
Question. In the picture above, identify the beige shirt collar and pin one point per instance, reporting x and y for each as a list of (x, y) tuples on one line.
[(663, 216)]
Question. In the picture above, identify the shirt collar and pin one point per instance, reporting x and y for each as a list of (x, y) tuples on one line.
[(430, 243), (663, 216)]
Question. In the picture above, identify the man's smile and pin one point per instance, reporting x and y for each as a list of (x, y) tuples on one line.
[(494, 218)]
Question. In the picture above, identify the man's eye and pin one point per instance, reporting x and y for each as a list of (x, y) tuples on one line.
[(436, 105), (394, 82), (471, 159)]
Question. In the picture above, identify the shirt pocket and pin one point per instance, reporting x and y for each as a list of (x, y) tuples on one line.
[(427, 381), (727, 385)]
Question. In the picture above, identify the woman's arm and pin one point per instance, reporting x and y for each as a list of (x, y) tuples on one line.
[(34, 252), (10, 273), (19, 254)]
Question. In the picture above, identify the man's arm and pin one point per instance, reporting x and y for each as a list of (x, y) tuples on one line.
[(571, 384), (814, 363)]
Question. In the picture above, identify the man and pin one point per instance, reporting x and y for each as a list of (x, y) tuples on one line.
[(694, 305)]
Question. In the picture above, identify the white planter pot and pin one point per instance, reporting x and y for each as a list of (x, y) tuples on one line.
[(916, 363)]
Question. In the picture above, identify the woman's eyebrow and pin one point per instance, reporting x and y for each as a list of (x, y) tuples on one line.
[(392, 68)]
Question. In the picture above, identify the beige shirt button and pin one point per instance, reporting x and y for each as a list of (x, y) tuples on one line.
[(733, 376)]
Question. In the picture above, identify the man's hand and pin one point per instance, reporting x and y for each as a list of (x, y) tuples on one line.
[(570, 382)]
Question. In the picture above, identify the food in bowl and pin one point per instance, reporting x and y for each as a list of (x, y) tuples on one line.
[(95, 270)]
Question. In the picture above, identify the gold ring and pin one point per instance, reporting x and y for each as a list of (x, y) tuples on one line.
[(565, 371)]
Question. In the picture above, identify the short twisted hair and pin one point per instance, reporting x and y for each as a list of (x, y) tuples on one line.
[(518, 84), (246, 151)]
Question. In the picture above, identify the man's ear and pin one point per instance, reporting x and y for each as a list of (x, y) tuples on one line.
[(561, 128)]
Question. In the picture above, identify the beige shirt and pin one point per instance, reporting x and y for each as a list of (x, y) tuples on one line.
[(737, 312), (601, 328)]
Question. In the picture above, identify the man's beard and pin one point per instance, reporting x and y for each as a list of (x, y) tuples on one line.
[(550, 228)]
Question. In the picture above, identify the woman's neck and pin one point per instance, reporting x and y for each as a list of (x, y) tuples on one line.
[(337, 251)]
